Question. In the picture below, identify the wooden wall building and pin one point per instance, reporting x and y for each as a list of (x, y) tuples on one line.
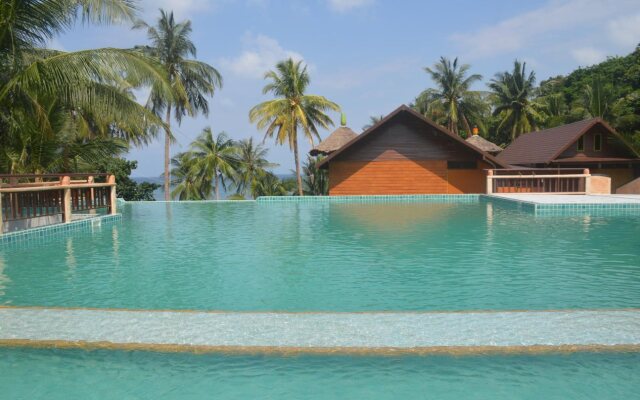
[(406, 153), (590, 143)]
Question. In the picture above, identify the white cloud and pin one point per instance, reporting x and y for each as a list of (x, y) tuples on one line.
[(260, 55), (544, 23), (343, 6), (588, 56), (181, 8), (625, 30)]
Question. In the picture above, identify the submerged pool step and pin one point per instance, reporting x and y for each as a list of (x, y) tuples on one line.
[(375, 332)]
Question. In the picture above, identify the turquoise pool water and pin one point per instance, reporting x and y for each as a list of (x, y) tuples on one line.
[(56, 374), (332, 257)]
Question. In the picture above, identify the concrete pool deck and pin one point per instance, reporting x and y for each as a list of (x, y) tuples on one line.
[(610, 199), (281, 332)]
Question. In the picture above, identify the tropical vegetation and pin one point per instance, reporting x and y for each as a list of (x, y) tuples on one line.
[(452, 103), (191, 80), (513, 104), (65, 111), (292, 110)]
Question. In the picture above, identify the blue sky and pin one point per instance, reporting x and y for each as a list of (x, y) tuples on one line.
[(368, 55)]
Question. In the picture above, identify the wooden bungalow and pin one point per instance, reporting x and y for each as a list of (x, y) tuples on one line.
[(406, 153), (589, 144)]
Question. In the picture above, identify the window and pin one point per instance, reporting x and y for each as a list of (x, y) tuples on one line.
[(597, 142), (581, 143), (461, 165)]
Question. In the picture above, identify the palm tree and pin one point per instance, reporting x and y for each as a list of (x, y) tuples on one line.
[(217, 159), (316, 181), (513, 94), (83, 95), (191, 80), (187, 179), (372, 121), (268, 185), (292, 110), (252, 164), (452, 103), (598, 99)]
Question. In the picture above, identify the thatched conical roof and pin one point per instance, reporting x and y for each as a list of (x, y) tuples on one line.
[(483, 144), (333, 142)]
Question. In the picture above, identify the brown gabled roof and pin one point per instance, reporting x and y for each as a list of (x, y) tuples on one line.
[(334, 141), (543, 147), (404, 109), (483, 144)]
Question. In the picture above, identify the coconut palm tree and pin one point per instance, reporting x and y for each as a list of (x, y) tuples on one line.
[(292, 110), (217, 159), (187, 179), (191, 80), (372, 121), (452, 103), (316, 180), (513, 96), (268, 185), (88, 89), (252, 164)]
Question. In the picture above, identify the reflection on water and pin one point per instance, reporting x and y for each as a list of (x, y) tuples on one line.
[(333, 257)]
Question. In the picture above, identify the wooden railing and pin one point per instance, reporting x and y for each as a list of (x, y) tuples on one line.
[(544, 180), (30, 196)]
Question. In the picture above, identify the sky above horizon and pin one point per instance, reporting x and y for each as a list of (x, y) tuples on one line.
[(366, 55)]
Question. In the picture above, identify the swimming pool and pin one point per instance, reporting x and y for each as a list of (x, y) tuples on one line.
[(62, 374), (383, 268), (331, 256)]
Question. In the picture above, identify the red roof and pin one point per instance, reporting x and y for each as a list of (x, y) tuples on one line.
[(404, 109)]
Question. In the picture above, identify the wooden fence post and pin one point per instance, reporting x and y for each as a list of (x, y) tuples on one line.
[(92, 195), (65, 181), (112, 194)]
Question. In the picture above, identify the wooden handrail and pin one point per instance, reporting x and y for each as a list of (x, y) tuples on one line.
[(62, 196), (536, 176), (74, 174), (53, 187)]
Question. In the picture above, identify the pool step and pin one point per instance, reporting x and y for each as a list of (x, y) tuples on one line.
[(367, 332)]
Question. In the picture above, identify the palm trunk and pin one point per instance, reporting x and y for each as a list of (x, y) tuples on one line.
[(297, 157), (466, 125), (167, 156), (217, 187)]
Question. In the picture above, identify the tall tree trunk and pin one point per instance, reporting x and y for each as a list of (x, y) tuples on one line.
[(167, 156), (467, 126), (217, 186), (297, 157)]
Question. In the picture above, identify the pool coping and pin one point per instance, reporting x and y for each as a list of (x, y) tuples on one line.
[(43, 232), (369, 333)]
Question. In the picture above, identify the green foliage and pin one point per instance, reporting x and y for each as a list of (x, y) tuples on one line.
[(452, 103), (512, 95), (374, 119), (269, 185), (216, 160), (127, 188), (316, 180), (61, 111), (252, 166), (292, 110), (610, 90), (191, 80)]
